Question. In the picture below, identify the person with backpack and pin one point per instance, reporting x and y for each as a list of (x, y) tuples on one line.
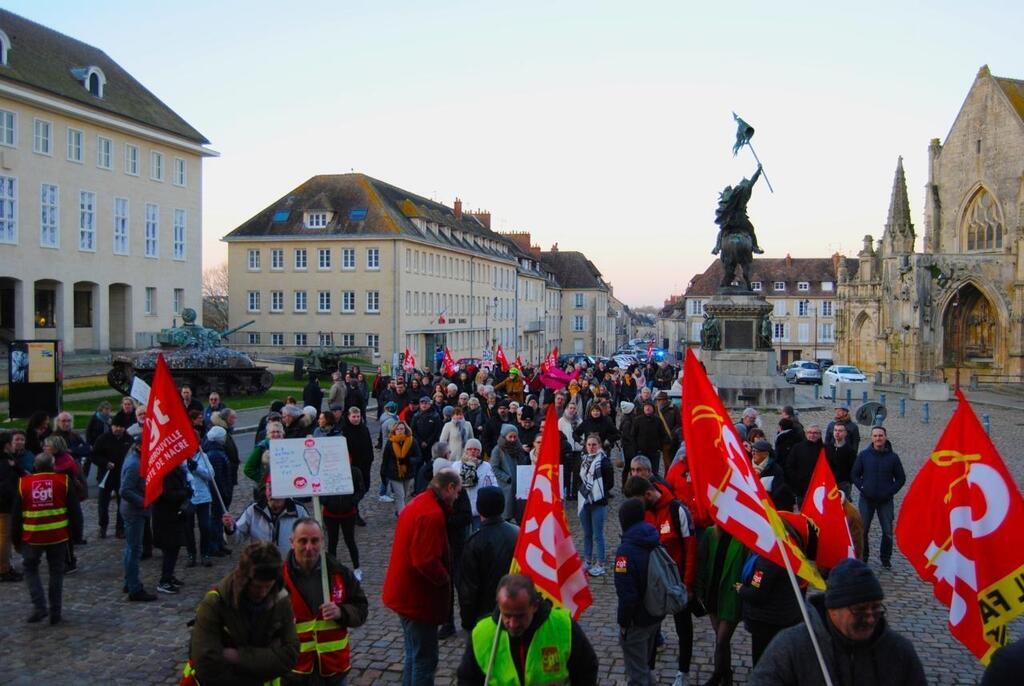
[(677, 536), (638, 628)]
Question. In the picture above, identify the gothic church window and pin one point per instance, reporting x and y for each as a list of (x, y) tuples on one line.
[(983, 224)]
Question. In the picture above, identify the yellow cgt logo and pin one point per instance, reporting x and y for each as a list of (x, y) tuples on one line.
[(549, 660)]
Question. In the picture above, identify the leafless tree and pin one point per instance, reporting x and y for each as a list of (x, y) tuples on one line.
[(215, 296)]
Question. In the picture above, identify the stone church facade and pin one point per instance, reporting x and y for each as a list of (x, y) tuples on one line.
[(958, 304)]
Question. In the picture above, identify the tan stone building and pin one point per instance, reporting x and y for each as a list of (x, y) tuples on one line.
[(584, 310), (802, 292), (960, 303), (100, 197)]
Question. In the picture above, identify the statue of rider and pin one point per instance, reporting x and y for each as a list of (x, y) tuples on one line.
[(731, 214)]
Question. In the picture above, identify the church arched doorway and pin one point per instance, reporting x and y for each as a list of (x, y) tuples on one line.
[(969, 329), (864, 335)]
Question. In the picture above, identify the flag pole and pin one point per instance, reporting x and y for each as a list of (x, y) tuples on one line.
[(494, 650), (318, 514), (803, 610), (756, 159)]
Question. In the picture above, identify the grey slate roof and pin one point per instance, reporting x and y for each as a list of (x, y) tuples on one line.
[(43, 59), (767, 270), (572, 269)]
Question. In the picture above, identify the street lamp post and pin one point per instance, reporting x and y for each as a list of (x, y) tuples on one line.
[(487, 319)]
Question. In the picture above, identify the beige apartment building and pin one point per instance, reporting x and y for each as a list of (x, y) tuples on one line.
[(802, 292), (100, 197), (584, 311)]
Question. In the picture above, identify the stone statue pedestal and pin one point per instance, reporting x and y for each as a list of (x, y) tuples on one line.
[(744, 368)]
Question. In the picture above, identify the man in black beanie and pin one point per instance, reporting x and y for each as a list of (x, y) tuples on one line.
[(857, 643), (638, 629), (486, 557)]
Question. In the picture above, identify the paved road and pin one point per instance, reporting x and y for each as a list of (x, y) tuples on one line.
[(107, 640)]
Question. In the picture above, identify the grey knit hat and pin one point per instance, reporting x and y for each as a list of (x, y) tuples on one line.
[(852, 582)]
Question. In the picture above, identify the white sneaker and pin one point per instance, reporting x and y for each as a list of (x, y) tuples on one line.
[(358, 574), (386, 498), (681, 680), (596, 570)]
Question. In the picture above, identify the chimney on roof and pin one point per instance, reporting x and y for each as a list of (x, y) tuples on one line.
[(835, 262), (520, 238), (789, 260), (554, 247), (458, 209), (535, 251), (483, 217)]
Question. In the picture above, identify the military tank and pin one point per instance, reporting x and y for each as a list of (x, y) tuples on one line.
[(196, 356)]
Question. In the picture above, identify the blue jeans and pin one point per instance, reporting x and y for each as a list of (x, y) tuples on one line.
[(134, 525), (420, 653), (201, 515), (592, 521), (886, 511)]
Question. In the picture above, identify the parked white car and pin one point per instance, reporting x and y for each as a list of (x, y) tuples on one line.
[(842, 373)]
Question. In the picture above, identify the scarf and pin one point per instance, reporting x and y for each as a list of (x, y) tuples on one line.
[(591, 483), (468, 472), (401, 448)]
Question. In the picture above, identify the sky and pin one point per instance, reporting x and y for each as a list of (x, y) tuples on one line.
[(603, 126)]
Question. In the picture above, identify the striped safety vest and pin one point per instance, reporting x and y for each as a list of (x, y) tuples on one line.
[(44, 508), (324, 639), (547, 658)]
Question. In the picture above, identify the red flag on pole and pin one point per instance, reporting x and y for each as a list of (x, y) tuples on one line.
[(519, 363), (823, 505), (724, 480), (544, 550), (409, 362), (961, 526), (551, 361), (650, 349), (168, 438), (499, 357), (447, 363)]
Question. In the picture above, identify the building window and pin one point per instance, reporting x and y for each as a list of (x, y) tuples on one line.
[(348, 340), (348, 258), (579, 299), (696, 307), (179, 300), (131, 159), (300, 260), (87, 221), (156, 165), (8, 209), (779, 286), (755, 285), (578, 323), (324, 255), (254, 260), (152, 230), (827, 286), (780, 308), (300, 340), (42, 137), (49, 216), (804, 332), (983, 223), (8, 128), (373, 258), (316, 220), (120, 226), (104, 152), (779, 331), (695, 328), (323, 301), (803, 286), (348, 301), (83, 309), (93, 79), (277, 339), (326, 339), (826, 308), (277, 301), (254, 339), (826, 333), (373, 301), (178, 242), (373, 342), (74, 145), (253, 304), (803, 308), (276, 259), (150, 306), (179, 172), (300, 301)]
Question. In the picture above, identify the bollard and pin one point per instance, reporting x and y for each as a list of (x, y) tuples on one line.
[(924, 410), (881, 399), (879, 420), (849, 397), (863, 397), (985, 422), (832, 394), (903, 408), (817, 390)]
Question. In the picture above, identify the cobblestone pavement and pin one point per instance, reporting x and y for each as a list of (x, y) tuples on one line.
[(108, 640)]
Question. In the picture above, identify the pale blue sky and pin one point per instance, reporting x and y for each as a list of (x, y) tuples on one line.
[(603, 126)]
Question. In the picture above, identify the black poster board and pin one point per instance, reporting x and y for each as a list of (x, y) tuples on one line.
[(35, 374)]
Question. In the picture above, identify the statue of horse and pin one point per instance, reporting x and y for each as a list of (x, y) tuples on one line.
[(737, 251)]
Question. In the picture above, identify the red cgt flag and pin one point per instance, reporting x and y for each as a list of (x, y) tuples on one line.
[(499, 357), (723, 477), (168, 438), (961, 526), (823, 505), (544, 550), (447, 363), (409, 361), (650, 349), (551, 361), (519, 363)]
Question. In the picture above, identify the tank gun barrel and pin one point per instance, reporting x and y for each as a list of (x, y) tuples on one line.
[(227, 332)]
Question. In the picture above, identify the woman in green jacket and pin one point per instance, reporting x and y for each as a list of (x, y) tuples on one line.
[(721, 565)]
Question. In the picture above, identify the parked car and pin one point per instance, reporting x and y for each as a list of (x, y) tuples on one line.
[(575, 358), (803, 371), (825, 362), (842, 373)]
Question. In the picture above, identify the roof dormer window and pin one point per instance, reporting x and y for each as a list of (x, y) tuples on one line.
[(317, 219), (92, 79), (5, 46)]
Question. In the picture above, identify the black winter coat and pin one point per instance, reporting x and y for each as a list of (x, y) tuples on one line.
[(631, 561), (426, 429), (168, 519), (648, 436), (110, 449), (485, 559), (602, 426), (768, 596), (800, 465), (313, 395)]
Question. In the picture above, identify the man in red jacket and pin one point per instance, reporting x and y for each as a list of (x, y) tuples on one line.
[(418, 585), (677, 535)]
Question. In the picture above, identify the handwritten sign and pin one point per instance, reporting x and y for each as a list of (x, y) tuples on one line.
[(303, 467)]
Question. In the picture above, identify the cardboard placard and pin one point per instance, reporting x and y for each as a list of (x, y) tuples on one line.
[(304, 467), (524, 479)]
